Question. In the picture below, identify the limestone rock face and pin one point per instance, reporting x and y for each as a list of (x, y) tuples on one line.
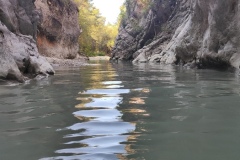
[(18, 51), (58, 30), (140, 26), (203, 33)]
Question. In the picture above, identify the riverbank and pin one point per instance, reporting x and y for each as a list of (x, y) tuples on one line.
[(80, 61), (99, 58), (65, 63), (56, 62)]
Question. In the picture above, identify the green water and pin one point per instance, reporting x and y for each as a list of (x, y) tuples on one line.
[(122, 111)]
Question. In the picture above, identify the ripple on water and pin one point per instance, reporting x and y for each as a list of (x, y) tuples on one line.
[(107, 91), (17, 132), (100, 114), (114, 86), (105, 141), (115, 149), (101, 132), (103, 128), (106, 102), (111, 82), (96, 156), (19, 111)]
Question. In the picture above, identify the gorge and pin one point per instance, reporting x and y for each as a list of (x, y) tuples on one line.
[(164, 94), (193, 33)]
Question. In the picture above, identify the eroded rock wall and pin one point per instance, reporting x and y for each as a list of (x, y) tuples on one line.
[(58, 30), (18, 51), (202, 33), (141, 25)]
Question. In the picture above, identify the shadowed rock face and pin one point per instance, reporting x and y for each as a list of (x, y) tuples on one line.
[(18, 51), (19, 16), (58, 28), (203, 33)]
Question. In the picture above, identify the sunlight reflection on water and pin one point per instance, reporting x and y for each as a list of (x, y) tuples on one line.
[(101, 131)]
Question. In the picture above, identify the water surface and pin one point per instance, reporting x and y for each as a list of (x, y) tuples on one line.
[(122, 111)]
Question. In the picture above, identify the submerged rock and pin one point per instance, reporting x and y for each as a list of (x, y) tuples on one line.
[(18, 51), (203, 33), (58, 28)]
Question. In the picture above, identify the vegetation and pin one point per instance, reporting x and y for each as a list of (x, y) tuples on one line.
[(122, 18), (97, 38)]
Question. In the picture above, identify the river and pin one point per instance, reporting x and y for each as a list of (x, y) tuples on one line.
[(122, 111)]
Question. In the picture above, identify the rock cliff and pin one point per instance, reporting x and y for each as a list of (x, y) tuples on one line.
[(195, 33), (18, 51), (30, 27), (58, 30)]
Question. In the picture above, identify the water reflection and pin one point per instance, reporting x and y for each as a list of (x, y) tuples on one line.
[(103, 132), (193, 113), (122, 111)]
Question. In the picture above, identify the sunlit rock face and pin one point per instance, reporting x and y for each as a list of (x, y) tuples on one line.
[(58, 30), (195, 33), (18, 51)]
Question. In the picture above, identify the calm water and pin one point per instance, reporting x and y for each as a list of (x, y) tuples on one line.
[(122, 111)]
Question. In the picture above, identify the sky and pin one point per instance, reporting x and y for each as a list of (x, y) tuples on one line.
[(109, 9)]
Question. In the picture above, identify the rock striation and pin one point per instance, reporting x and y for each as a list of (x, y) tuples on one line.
[(18, 51), (195, 33), (58, 30)]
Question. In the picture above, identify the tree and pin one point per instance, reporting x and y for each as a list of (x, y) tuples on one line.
[(96, 38)]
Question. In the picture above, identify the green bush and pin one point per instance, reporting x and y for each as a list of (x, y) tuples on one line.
[(101, 54)]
